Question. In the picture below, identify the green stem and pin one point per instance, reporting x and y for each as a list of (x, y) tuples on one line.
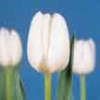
[(82, 87), (47, 86), (8, 85)]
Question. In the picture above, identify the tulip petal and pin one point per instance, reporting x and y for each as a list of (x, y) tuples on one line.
[(77, 53), (34, 46), (45, 35), (14, 47), (58, 55), (88, 57), (4, 56)]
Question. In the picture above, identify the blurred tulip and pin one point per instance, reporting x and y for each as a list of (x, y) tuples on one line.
[(84, 56), (48, 46), (10, 47)]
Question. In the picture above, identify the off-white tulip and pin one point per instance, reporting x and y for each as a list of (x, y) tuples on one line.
[(10, 47), (48, 46), (84, 56)]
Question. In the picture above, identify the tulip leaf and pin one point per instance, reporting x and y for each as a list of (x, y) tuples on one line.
[(10, 84), (65, 78), (2, 87), (22, 89)]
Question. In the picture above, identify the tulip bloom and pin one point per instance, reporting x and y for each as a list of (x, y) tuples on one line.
[(10, 56), (84, 56), (10, 47), (48, 45)]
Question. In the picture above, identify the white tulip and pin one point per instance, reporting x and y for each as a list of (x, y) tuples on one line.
[(84, 56), (10, 47), (48, 43)]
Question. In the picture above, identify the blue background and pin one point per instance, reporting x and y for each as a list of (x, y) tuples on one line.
[(83, 17)]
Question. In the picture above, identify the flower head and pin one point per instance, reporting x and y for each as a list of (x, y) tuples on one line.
[(48, 43), (84, 56), (10, 47)]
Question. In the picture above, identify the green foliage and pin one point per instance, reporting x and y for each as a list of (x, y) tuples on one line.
[(10, 84), (65, 78)]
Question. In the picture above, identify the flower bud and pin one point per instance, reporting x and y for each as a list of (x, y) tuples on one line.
[(10, 47), (84, 56), (48, 45)]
